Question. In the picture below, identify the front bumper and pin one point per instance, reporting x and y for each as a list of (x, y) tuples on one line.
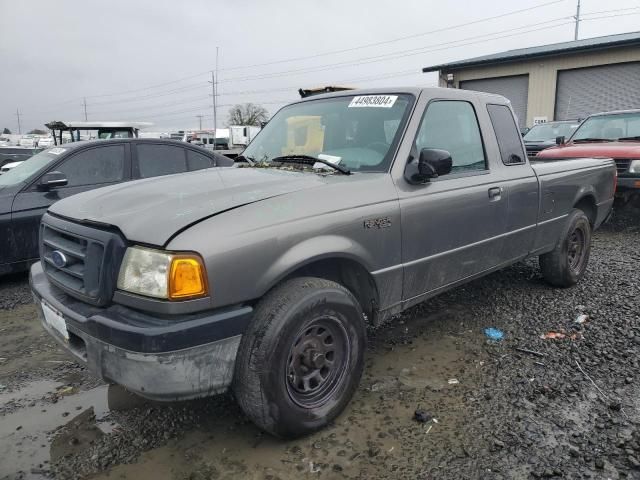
[(177, 358)]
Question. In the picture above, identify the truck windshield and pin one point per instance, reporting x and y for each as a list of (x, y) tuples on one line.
[(549, 131), (29, 167), (609, 127), (359, 132)]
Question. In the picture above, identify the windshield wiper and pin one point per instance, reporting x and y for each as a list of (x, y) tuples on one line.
[(309, 160), (242, 158), (636, 138), (589, 139)]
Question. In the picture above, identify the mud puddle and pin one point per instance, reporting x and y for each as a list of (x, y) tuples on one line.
[(414, 365), (48, 420)]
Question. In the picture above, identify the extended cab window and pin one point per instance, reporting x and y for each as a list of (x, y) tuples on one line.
[(507, 135), (155, 160), (452, 125), (94, 166)]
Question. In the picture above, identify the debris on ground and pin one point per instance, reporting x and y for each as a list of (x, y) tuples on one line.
[(494, 334), (581, 319), (422, 416)]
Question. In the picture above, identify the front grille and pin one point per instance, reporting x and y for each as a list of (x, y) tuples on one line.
[(622, 164), (81, 271), (83, 261)]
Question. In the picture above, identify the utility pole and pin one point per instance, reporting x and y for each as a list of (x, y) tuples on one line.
[(577, 17), (213, 103), (199, 117), (214, 94), (84, 104), (19, 126)]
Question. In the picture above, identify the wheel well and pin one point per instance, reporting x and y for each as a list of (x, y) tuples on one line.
[(349, 273), (588, 205)]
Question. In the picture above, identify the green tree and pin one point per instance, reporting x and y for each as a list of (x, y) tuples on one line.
[(6, 131), (37, 131)]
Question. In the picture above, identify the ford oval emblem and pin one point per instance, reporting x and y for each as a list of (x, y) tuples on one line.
[(59, 259)]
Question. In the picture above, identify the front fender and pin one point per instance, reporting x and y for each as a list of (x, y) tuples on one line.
[(310, 251)]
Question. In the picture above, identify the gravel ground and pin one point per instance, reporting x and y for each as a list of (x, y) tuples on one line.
[(524, 407)]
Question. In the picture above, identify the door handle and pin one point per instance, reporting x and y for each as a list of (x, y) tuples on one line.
[(495, 193)]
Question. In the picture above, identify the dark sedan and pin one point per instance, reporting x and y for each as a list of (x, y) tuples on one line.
[(30, 188), (544, 135)]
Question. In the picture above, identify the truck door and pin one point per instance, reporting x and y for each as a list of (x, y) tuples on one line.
[(521, 184), (452, 226)]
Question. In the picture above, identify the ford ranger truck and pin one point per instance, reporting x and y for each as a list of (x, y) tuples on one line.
[(345, 210), (606, 135)]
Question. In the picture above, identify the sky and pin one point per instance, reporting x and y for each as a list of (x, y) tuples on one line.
[(151, 60)]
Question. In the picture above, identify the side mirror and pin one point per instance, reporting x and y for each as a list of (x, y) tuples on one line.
[(560, 140), (431, 164), (52, 180)]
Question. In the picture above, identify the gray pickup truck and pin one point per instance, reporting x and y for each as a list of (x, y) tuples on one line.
[(347, 209)]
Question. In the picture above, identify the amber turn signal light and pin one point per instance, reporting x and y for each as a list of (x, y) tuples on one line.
[(187, 278)]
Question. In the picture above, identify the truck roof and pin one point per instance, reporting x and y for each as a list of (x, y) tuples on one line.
[(616, 112), (416, 91)]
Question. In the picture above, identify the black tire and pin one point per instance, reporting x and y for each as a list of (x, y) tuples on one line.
[(301, 359), (565, 265)]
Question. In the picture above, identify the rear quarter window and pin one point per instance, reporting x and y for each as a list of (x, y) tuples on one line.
[(507, 135)]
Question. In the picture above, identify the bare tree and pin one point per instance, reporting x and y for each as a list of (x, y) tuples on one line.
[(247, 114)]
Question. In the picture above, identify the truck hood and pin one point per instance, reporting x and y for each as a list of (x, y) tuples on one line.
[(153, 210), (594, 150)]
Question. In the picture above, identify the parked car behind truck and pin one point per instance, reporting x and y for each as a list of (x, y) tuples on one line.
[(544, 135), (28, 189), (263, 279), (607, 135)]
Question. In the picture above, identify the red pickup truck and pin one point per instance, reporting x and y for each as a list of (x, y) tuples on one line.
[(606, 135)]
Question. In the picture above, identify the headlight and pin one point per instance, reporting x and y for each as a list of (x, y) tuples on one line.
[(154, 273), (634, 167)]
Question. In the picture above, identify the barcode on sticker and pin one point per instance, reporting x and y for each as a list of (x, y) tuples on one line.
[(379, 101)]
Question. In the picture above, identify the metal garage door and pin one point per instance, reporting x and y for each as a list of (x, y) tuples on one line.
[(584, 91), (516, 89)]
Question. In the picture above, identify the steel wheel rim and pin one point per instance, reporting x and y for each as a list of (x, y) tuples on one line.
[(576, 249), (317, 362)]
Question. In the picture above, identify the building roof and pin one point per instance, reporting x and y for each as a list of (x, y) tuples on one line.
[(588, 44)]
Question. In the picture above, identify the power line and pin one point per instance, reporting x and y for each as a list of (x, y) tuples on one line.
[(395, 40), (333, 52), (402, 53)]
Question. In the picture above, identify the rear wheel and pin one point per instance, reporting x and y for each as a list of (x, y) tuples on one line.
[(565, 265), (302, 357)]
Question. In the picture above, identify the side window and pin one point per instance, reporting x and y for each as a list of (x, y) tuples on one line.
[(198, 161), (155, 160), (94, 166), (507, 134), (452, 125)]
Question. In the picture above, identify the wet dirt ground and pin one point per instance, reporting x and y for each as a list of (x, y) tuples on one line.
[(523, 407)]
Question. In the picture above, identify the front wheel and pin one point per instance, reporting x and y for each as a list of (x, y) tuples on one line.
[(565, 265), (302, 357)]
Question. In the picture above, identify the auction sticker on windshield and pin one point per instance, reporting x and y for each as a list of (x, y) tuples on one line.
[(378, 101)]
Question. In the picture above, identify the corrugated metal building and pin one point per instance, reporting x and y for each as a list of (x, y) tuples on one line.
[(556, 82)]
